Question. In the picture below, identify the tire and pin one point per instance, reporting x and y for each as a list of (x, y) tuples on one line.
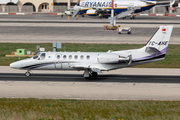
[(88, 77), (94, 74), (27, 74), (119, 32)]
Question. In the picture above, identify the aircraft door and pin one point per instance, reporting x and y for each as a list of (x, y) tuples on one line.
[(58, 63)]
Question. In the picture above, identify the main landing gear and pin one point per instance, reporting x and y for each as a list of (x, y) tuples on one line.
[(90, 74), (27, 74)]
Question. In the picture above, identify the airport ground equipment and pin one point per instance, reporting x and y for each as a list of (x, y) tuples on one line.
[(21, 52), (56, 46), (126, 30), (69, 12)]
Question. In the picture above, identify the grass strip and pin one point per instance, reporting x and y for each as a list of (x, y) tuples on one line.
[(172, 59), (62, 109)]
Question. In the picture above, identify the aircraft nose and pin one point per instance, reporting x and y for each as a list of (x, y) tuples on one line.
[(76, 7), (14, 65)]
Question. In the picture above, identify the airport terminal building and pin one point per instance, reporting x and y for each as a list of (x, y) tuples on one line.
[(29, 6), (36, 5)]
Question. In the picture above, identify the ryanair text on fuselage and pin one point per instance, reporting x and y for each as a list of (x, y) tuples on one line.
[(96, 4)]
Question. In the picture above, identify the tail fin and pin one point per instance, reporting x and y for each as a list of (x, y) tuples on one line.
[(159, 42)]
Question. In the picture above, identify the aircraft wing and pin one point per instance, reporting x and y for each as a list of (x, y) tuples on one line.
[(94, 69), (160, 3), (149, 2), (171, 2), (165, 3)]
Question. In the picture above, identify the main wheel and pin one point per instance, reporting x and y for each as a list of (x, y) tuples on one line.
[(88, 77), (27, 74), (94, 74)]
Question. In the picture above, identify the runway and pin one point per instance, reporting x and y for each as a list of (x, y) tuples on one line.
[(113, 87), (122, 84)]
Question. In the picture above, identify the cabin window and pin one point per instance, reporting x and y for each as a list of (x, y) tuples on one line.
[(64, 57), (88, 57), (82, 57), (43, 55), (58, 56), (70, 57), (75, 57)]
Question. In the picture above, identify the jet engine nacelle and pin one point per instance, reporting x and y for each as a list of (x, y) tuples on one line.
[(113, 58), (108, 58), (91, 12)]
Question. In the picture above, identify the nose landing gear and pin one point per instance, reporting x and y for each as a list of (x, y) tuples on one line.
[(27, 74)]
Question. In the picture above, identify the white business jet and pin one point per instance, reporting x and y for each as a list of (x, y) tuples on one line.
[(122, 8), (93, 63)]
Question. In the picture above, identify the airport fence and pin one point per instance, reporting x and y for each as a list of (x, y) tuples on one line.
[(27, 8)]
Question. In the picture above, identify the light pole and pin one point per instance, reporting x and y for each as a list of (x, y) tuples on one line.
[(112, 21)]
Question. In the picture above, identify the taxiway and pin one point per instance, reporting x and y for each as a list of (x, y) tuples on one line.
[(45, 28)]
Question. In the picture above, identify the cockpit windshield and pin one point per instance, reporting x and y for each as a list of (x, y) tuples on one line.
[(43, 56), (36, 56)]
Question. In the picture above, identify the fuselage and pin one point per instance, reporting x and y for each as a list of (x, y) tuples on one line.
[(80, 60), (119, 5)]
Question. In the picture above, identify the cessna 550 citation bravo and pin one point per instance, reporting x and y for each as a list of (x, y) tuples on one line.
[(93, 63)]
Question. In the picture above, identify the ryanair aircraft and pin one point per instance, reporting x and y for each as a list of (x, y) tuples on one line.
[(93, 63), (121, 7)]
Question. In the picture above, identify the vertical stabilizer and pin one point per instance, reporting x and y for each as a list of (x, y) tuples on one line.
[(159, 42)]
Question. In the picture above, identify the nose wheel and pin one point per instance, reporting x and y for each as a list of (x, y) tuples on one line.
[(27, 74)]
